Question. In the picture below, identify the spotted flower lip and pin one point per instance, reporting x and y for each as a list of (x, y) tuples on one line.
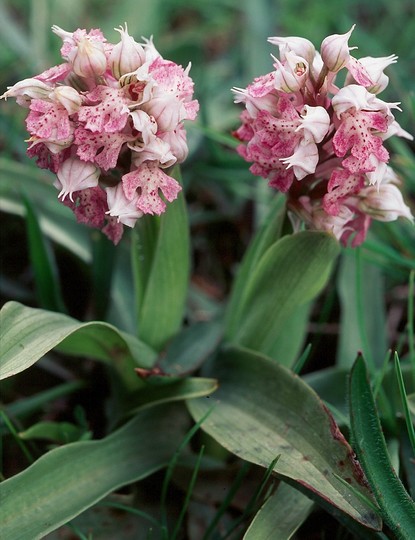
[(109, 122), (320, 144)]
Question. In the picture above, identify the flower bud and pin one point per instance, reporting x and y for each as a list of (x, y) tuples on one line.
[(127, 55), (68, 97), (297, 45), (88, 58), (335, 50), (384, 203)]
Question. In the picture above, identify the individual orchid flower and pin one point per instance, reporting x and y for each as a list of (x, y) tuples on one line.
[(304, 160), (315, 123), (148, 180), (384, 203), (290, 76), (27, 90), (123, 209), (75, 175), (374, 68)]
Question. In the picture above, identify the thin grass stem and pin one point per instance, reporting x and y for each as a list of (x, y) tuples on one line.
[(407, 413), (18, 440), (188, 495)]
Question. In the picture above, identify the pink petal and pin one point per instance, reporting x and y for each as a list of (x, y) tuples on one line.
[(46, 159), (359, 72), (89, 206), (341, 185), (113, 230), (355, 133), (101, 148), (172, 78), (109, 115), (48, 120), (148, 178), (55, 74)]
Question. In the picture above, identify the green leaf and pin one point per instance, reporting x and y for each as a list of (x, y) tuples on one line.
[(397, 508), (161, 266), (43, 263), (281, 515), (168, 390), (29, 333), (261, 410), (59, 432), (289, 274), (24, 407), (102, 268), (367, 329), (68, 480), (189, 349), (267, 235)]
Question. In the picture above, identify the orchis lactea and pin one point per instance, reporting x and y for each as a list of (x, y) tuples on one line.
[(321, 144), (109, 122)]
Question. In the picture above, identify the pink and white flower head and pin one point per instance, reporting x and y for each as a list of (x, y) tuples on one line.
[(321, 144), (108, 122)]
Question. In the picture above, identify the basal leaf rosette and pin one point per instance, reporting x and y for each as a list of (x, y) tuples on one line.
[(108, 122), (321, 144)]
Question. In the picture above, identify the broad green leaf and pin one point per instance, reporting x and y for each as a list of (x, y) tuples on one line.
[(281, 515), (397, 508), (43, 263), (127, 517), (102, 268), (366, 329), (330, 384), (29, 333), (161, 265), (190, 348), (267, 235), (289, 343), (262, 410), (122, 309), (68, 480), (289, 274)]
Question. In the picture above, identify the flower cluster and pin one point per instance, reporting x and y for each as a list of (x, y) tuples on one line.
[(109, 122), (321, 144)]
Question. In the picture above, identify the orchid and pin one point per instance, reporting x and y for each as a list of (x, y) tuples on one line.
[(299, 127), (110, 115)]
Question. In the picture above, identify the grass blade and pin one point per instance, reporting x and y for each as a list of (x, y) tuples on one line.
[(397, 508)]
